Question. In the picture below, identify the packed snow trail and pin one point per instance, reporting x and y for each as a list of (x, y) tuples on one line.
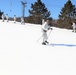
[(21, 54)]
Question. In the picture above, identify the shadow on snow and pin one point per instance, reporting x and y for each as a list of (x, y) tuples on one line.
[(68, 45)]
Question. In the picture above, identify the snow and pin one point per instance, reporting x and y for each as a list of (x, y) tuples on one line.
[(22, 54)]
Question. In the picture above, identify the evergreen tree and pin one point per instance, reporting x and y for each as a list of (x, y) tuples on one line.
[(65, 19), (38, 12), (72, 14)]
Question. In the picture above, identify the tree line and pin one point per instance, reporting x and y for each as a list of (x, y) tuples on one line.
[(39, 11)]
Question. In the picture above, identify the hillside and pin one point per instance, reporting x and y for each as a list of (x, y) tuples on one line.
[(22, 54)]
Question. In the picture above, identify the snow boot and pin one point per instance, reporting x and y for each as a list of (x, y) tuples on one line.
[(43, 43), (47, 42)]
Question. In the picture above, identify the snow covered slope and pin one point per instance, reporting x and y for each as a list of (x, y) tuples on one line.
[(22, 54)]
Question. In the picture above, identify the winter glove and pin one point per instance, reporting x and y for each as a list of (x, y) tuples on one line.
[(50, 28), (44, 30)]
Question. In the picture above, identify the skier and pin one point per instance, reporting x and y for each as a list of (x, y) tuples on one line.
[(43, 21), (22, 20), (14, 18), (45, 28), (74, 27), (2, 17), (7, 17)]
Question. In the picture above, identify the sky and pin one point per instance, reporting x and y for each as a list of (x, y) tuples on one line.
[(14, 7)]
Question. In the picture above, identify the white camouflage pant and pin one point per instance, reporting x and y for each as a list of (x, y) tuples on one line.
[(45, 37), (74, 29)]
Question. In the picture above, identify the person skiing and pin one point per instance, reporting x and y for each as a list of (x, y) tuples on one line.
[(74, 27), (22, 20), (45, 28), (7, 17), (43, 21), (14, 18), (2, 17)]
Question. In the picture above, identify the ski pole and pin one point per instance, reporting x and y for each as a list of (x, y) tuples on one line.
[(39, 38), (49, 33)]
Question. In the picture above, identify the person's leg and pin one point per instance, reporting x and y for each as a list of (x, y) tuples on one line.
[(73, 30), (44, 37)]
